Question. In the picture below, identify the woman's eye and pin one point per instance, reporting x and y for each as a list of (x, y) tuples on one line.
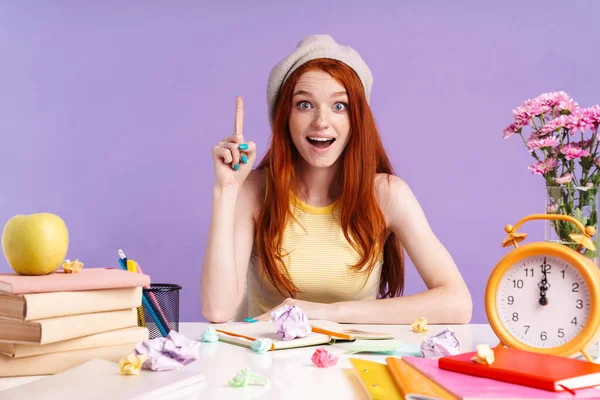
[(340, 106), (304, 105)]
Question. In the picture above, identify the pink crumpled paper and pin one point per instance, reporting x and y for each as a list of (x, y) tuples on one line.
[(165, 354), (323, 358), (443, 344), (291, 322)]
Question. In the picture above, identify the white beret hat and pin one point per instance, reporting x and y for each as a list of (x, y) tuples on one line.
[(310, 48)]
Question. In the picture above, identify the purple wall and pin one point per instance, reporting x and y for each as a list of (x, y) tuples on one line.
[(108, 113)]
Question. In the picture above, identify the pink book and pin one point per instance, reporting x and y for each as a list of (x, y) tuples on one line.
[(468, 387), (86, 279)]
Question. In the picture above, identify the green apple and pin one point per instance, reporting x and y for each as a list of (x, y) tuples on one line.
[(35, 244)]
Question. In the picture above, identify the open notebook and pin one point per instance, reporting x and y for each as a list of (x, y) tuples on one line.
[(100, 379), (323, 332)]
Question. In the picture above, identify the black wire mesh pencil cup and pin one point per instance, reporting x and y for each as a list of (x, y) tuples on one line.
[(160, 309)]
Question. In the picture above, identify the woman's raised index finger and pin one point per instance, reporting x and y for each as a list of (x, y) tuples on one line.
[(239, 116)]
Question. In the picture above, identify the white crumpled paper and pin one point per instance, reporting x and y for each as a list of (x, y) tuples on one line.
[(164, 354)]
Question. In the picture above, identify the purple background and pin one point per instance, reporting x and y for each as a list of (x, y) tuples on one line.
[(108, 112)]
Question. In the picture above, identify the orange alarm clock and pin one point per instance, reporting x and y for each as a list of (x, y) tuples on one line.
[(544, 296)]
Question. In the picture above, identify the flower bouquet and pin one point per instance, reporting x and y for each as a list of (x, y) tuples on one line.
[(563, 139)]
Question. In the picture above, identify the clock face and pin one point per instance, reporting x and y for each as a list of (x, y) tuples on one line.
[(543, 301)]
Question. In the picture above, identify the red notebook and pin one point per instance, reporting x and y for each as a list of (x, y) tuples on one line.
[(526, 368)]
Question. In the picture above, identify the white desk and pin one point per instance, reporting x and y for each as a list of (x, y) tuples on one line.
[(291, 372)]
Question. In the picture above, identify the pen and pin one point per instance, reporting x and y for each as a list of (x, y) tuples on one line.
[(145, 301)]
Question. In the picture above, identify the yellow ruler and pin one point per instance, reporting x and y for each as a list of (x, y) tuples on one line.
[(376, 380)]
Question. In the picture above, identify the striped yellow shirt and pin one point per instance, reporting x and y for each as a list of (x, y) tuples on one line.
[(318, 260)]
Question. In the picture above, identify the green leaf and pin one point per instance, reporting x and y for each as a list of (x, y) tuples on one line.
[(590, 254), (578, 215)]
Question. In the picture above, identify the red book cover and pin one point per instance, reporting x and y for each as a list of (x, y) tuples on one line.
[(542, 371)]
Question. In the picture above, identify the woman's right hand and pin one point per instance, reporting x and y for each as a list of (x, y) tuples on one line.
[(233, 157)]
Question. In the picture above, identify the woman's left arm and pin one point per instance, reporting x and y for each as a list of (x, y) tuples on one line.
[(447, 300)]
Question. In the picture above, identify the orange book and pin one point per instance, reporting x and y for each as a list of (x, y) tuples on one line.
[(86, 279), (542, 371), (412, 382)]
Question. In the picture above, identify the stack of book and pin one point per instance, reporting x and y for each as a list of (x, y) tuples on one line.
[(54, 322)]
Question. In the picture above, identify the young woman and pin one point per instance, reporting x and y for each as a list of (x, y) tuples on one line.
[(322, 222)]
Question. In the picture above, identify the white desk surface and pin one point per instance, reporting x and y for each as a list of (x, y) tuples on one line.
[(291, 373)]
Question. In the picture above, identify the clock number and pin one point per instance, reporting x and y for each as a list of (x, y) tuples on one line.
[(515, 317), (563, 273), (561, 333), (574, 321), (545, 268), (576, 287), (543, 335), (526, 328), (518, 283), (528, 271), (511, 300), (579, 305)]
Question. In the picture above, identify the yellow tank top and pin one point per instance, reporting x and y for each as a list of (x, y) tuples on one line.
[(318, 261)]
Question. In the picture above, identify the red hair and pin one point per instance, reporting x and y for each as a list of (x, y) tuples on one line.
[(361, 218)]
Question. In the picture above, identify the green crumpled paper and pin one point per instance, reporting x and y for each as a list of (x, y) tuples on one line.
[(244, 378), (210, 335)]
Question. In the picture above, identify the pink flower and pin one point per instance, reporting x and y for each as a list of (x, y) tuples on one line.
[(554, 125), (543, 167), (574, 150), (512, 129), (564, 179), (597, 161), (553, 99), (524, 113), (592, 116), (579, 121), (323, 358), (567, 106), (583, 143), (533, 143)]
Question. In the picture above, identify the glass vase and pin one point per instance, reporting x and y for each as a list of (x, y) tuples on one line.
[(578, 202)]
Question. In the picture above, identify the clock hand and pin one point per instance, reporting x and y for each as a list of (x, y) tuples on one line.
[(543, 285)]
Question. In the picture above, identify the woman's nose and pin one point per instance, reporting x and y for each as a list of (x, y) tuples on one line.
[(321, 120)]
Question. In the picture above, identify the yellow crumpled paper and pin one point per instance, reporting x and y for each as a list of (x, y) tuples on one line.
[(485, 355), (420, 325), (72, 267), (132, 364)]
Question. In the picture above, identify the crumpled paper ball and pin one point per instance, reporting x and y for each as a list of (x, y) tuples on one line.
[(291, 322), (164, 354), (72, 267), (244, 377), (261, 345), (210, 335), (420, 325), (322, 358), (132, 364), (443, 344), (484, 355)]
